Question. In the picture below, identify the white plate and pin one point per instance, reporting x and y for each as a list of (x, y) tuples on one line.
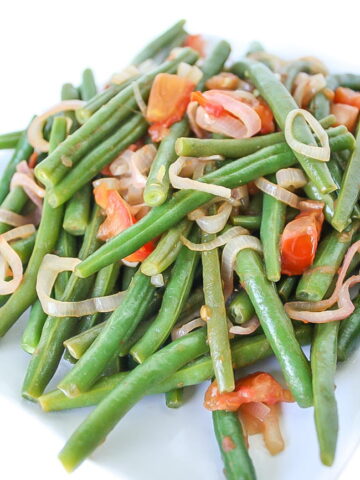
[(153, 442)]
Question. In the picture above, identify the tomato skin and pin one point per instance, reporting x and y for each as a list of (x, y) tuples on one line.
[(299, 242), (211, 108), (347, 96), (257, 387), (118, 218), (197, 43), (266, 117)]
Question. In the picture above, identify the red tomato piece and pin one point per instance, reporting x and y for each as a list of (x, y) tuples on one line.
[(299, 242), (347, 96), (211, 108), (266, 117), (257, 387), (197, 43), (345, 115)]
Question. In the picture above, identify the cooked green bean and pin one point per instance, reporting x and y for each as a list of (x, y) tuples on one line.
[(349, 333), (10, 140), (101, 124), (245, 351), (22, 152), (166, 250), (272, 225), (234, 452), (88, 87), (281, 103), (46, 239), (292, 70), (316, 280), (174, 398), (276, 325), (127, 274), (240, 308), (349, 191), (323, 366), (286, 287), (214, 63), (217, 327), (56, 330), (117, 330), (24, 247), (348, 80), (110, 411), (175, 296), (77, 211), (251, 222)]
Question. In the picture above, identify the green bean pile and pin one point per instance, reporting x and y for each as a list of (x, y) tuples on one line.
[(120, 355)]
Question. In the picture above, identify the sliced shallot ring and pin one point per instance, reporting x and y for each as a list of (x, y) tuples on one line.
[(189, 184), (190, 72), (215, 223), (49, 269), (111, 182), (217, 242), (20, 232), (321, 153), (35, 135), (291, 178), (178, 332), (246, 328), (277, 192), (139, 99), (11, 258), (191, 113), (127, 73), (231, 249), (14, 219), (23, 180)]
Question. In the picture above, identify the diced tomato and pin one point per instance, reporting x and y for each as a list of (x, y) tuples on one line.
[(196, 42), (257, 387), (299, 242), (169, 97), (345, 115), (266, 117), (347, 96), (158, 132), (211, 108), (33, 160), (118, 218)]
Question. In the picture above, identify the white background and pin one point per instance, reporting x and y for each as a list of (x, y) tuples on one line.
[(44, 44)]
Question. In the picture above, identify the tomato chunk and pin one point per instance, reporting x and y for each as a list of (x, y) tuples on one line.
[(347, 96), (210, 107), (299, 242), (196, 42), (118, 218), (257, 387)]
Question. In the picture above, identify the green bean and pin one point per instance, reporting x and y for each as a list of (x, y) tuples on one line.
[(336, 166), (127, 274), (320, 105), (96, 160), (117, 330), (313, 193), (46, 238), (348, 80), (281, 103), (234, 452), (251, 222), (10, 140), (349, 333), (272, 225), (78, 344), (245, 351), (158, 183), (151, 49), (88, 87), (66, 247), (315, 282), (24, 247), (292, 70), (56, 330), (160, 219), (33, 329), (255, 47), (174, 398), (77, 211), (233, 148), (349, 190), (175, 296), (276, 325), (109, 412), (229, 148), (217, 327), (104, 285), (101, 124), (177, 42), (166, 250), (68, 92), (286, 287), (240, 308), (22, 152), (323, 365), (214, 63)]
